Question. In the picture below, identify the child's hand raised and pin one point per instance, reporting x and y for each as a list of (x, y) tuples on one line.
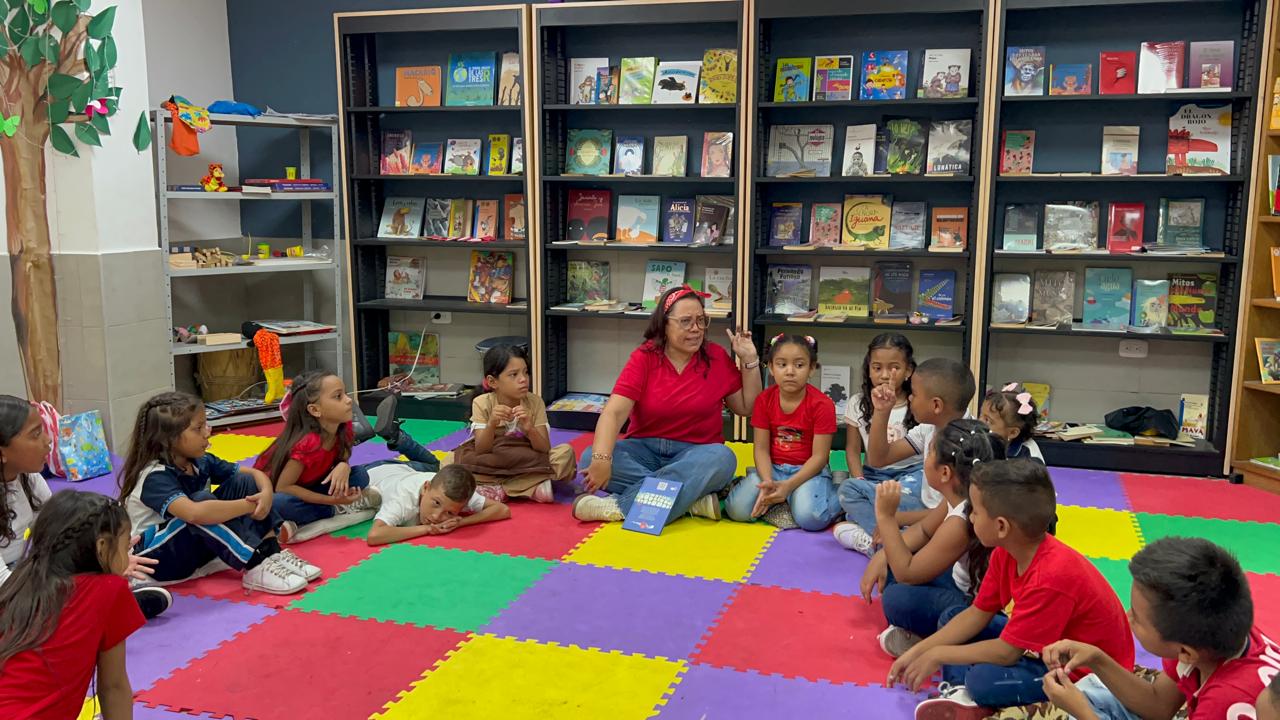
[(883, 398), (888, 498)]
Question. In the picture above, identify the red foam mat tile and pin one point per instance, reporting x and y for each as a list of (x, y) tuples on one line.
[(1199, 497), (534, 530)]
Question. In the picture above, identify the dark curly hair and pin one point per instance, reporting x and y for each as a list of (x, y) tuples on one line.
[(14, 413), (1005, 403), (886, 341)]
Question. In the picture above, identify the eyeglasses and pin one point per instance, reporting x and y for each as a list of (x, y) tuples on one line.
[(687, 323)]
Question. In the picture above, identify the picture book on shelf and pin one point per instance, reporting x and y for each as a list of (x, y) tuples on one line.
[(607, 85), (1213, 65), (499, 153), (1010, 299), (582, 79), (628, 155), (1199, 141), (1017, 152), (1053, 297), (401, 218), (866, 220), (588, 215), (418, 86), (638, 218), (1193, 415), (462, 156), (659, 277), (1275, 272), (945, 74), (717, 154), (824, 224), (588, 152), (791, 80), (509, 92), (1120, 149), (416, 355), (718, 282), (712, 220), (832, 77), (589, 281), (514, 224), (1071, 225), (1021, 228), (492, 277), (949, 229), (790, 289), (637, 80), (1150, 304), (1160, 66), (859, 150), (1117, 72), (884, 75), (1268, 360), (677, 220), (835, 385), (936, 294), (428, 159), (844, 290), (799, 150), (906, 141), (1071, 79), (1181, 223), (406, 278), (1193, 302), (891, 291), (1124, 227), (436, 224), (949, 147), (397, 152), (517, 156), (1108, 293), (719, 82), (676, 82), (470, 79), (784, 223), (1024, 70), (486, 224), (461, 215), (670, 155), (881, 164), (906, 229)]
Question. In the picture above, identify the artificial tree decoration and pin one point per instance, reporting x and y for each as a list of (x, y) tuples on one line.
[(55, 68)]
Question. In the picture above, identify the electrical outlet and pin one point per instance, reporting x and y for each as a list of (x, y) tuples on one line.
[(444, 318), (1133, 348)]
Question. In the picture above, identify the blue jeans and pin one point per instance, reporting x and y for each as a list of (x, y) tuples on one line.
[(996, 685), (814, 504), (702, 469), (1105, 705), (918, 607), (858, 495)]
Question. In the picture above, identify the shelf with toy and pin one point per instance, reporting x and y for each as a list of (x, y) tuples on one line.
[(196, 349)]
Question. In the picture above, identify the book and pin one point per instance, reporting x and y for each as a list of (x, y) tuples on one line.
[(1150, 304), (881, 164), (824, 224), (791, 80), (832, 77), (416, 355), (607, 85), (1275, 105), (1024, 70), (1268, 360), (866, 221), (418, 86), (799, 150), (436, 222), (1108, 293), (1193, 412), (676, 82), (587, 219), (677, 220), (670, 155), (790, 289), (1124, 227), (588, 152), (1199, 141), (492, 277), (637, 219), (1021, 228), (589, 281), (717, 154), (461, 215), (517, 156), (1212, 65), (401, 218), (884, 75), (510, 91), (948, 229), (659, 277), (844, 290), (906, 139), (949, 147), (1181, 224), (637, 80), (628, 155), (1070, 226), (906, 227), (859, 150), (719, 82), (462, 156), (712, 220), (428, 159), (1010, 298), (1053, 297), (406, 278), (1117, 72), (582, 79), (1071, 79), (1040, 395), (651, 508), (785, 223), (1269, 461), (514, 220), (891, 291), (470, 79), (397, 152), (835, 385), (499, 153), (1017, 152), (1160, 66), (945, 74), (718, 282), (1275, 271), (936, 294), (486, 225), (1193, 302), (1273, 181), (1120, 149)]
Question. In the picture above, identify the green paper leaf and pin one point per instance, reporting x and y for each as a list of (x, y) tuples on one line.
[(112, 106), (51, 47), (142, 134), (64, 15), (99, 123), (31, 51), (62, 85), (20, 25), (83, 5), (100, 25), (108, 51), (80, 97), (92, 59), (86, 134), (4, 38), (62, 141), (99, 85), (58, 111), (39, 6)]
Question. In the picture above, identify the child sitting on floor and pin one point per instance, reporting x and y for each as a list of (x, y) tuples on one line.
[(890, 360), (1192, 607), (989, 660), (417, 503), (1011, 413), (510, 447)]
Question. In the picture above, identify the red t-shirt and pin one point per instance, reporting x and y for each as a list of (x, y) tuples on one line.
[(791, 434), (316, 461), (1061, 596), (1232, 688), (683, 406), (50, 681)]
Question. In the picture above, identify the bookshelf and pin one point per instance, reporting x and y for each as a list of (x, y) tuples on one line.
[(369, 47)]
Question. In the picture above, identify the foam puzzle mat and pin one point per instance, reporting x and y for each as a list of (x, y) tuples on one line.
[(541, 616)]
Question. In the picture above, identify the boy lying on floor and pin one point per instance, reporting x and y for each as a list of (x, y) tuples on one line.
[(416, 503)]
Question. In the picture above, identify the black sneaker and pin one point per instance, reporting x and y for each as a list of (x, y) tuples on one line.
[(388, 425), (361, 430), (152, 600)]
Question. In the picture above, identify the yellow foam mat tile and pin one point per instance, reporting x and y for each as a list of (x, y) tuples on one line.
[(1099, 533), (492, 677), (234, 448), (90, 710), (746, 456), (693, 547)]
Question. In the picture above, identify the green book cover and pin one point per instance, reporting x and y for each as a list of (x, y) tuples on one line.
[(637, 80), (1181, 223), (588, 152), (470, 79), (844, 290)]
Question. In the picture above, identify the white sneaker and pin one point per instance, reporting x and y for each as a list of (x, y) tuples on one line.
[(896, 641), (707, 506), (852, 537), (274, 578), (953, 704), (370, 499), (593, 508), (297, 565), (544, 493)]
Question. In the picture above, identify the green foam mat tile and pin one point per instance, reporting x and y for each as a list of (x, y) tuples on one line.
[(1251, 542), (425, 431), (359, 531), (838, 461), (1117, 574)]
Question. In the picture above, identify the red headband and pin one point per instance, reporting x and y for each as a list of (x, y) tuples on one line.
[(684, 291)]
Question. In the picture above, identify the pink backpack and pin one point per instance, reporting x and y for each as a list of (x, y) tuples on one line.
[(49, 419)]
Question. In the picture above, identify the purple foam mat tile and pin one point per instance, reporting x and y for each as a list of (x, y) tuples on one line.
[(1146, 659), (368, 452), (810, 561), (1089, 488), (657, 615), (563, 437), (188, 630), (710, 693), (450, 441), (103, 484), (142, 712)]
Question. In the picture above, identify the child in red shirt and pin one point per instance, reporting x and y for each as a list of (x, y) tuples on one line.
[(794, 423), (988, 660), (66, 611), (1191, 606)]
